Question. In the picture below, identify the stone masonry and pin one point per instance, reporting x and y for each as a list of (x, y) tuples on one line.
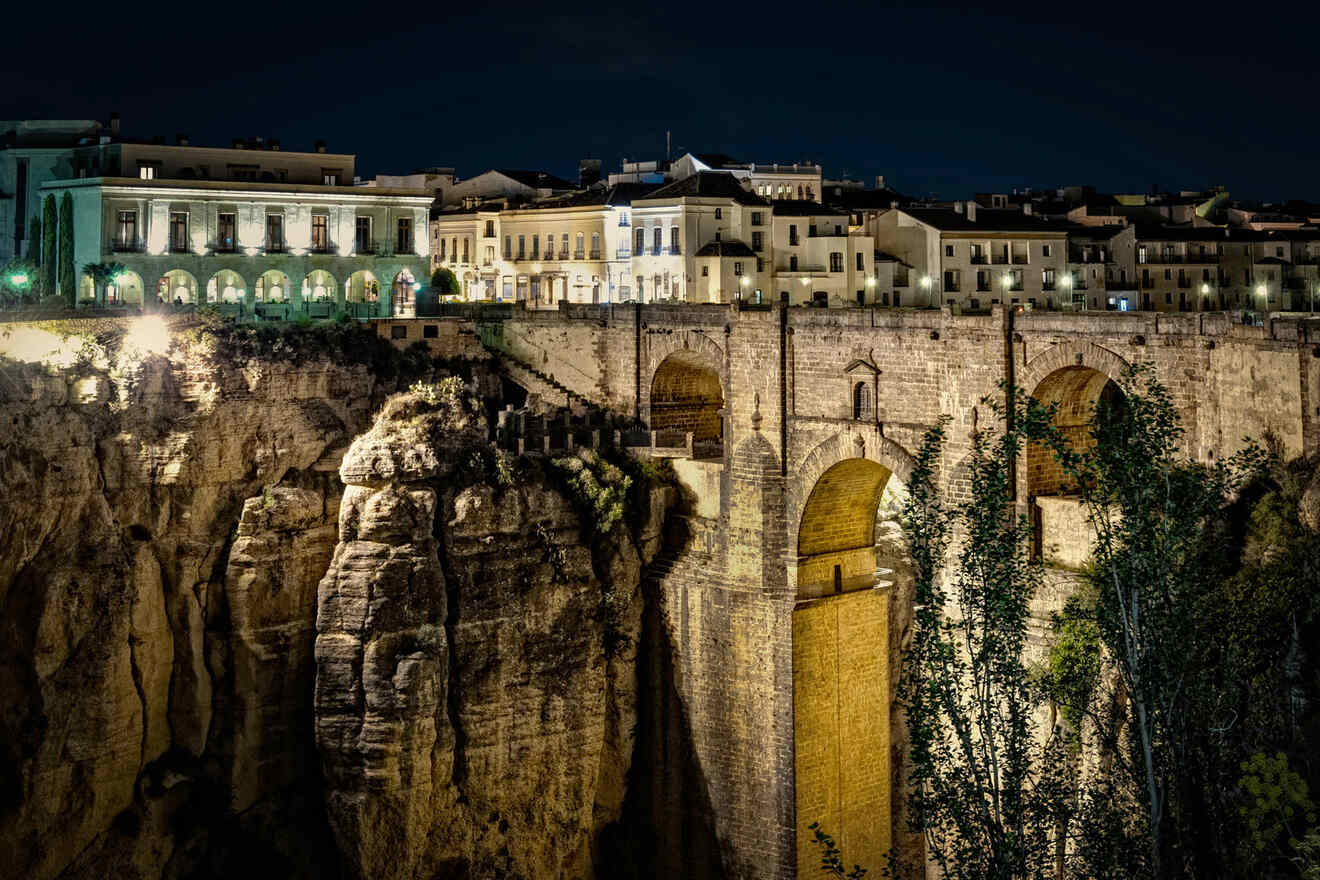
[(730, 596)]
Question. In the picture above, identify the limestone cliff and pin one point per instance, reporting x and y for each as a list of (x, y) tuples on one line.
[(165, 525), (470, 719)]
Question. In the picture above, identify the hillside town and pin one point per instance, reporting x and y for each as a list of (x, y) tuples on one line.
[(262, 231)]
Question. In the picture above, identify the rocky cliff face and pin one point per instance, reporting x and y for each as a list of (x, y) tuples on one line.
[(469, 719), (164, 531)]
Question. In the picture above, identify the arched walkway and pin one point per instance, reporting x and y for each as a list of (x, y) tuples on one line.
[(362, 287), (319, 286), (126, 288), (687, 396), (177, 286), (272, 287), (404, 292), (226, 286)]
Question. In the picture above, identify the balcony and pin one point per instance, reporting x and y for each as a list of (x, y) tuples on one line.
[(594, 255), (978, 259), (999, 260), (1019, 259), (623, 253), (577, 255), (122, 246), (639, 252), (794, 241), (674, 250)]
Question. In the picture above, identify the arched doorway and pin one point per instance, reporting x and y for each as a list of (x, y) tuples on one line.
[(848, 551), (226, 287), (177, 286), (272, 287), (404, 295), (1079, 393), (686, 396), (125, 288), (362, 287)]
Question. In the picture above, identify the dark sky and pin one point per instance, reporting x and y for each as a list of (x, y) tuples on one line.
[(939, 101)]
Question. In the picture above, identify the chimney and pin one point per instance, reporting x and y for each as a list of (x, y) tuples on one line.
[(275, 144), (971, 210), (320, 146), (879, 181), (114, 125), (181, 140)]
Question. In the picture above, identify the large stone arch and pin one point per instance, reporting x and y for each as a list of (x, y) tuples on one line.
[(693, 347), (860, 441), (843, 666), (1070, 354)]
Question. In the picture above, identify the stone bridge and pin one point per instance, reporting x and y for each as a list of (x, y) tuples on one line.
[(771, 686)]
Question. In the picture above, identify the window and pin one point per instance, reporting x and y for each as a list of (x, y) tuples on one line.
[(951, 279), (639, 241), (595, 245), (522, 247), (403, 238), (274, 232), (329, 178), (536, 247), (737, 269), (146, 171), (836, 261), (398, 331), (490, 229), (490, 255), (453, 250), (224, 240), (443, 243), (705, 271), (948, 250), (718, 234), (719, 214), (757, 218), (430, 331), (758, 241), (126, 235), (362, 236), (792, 263), (760, 265), (320, 232), (1141, 255), (1047, 279), (861, 401), (243, 172), (1045, 250), (861, 263), (578, 243), (978, 253), (792, 234), (657, 240), (465, 250), (508, 247), (673, 240), (1168, 274), (811, 230), (1278, 252), (982, 279), (178, 231)]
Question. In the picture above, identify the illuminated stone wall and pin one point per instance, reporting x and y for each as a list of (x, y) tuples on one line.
[(722, 675), (841, 693)]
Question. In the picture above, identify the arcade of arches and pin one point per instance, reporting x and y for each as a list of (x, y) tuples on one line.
[(686, 395), (841, 651)]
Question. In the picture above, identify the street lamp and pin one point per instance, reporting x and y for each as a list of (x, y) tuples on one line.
[(925, 285)]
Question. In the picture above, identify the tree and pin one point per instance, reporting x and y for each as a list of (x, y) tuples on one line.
[(48, 244), (444, 282), (983, 791), (1156, 556), (68, 283)]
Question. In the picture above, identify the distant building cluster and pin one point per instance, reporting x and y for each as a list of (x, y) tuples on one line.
[(258, 228)]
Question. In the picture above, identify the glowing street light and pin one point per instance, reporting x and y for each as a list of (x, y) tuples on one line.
[(18, 279)]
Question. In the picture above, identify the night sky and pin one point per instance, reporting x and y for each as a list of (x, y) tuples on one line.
[(940, 102)]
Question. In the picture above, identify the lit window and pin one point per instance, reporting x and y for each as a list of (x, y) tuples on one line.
[(147, 172), (320, 232)]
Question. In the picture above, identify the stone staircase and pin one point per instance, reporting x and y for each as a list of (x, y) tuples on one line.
[(546, 387)]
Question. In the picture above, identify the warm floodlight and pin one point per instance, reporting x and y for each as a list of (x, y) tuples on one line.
[(1205, 288), (925, 281), (148, 336), (1066, 280), (746, 281), (18, 279), (417, 286), (1260, 290), (1006, 280)]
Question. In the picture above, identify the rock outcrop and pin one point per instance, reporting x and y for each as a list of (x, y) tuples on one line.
[(470, 721)]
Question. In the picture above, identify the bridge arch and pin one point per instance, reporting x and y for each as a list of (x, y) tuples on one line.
[(1070, 354), (842, 649), (686, 387)]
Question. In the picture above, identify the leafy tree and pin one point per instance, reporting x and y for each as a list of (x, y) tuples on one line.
[(1157, 554), (444, 282), (984, 791), (68, 282), (48, 244), (831, 858)]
